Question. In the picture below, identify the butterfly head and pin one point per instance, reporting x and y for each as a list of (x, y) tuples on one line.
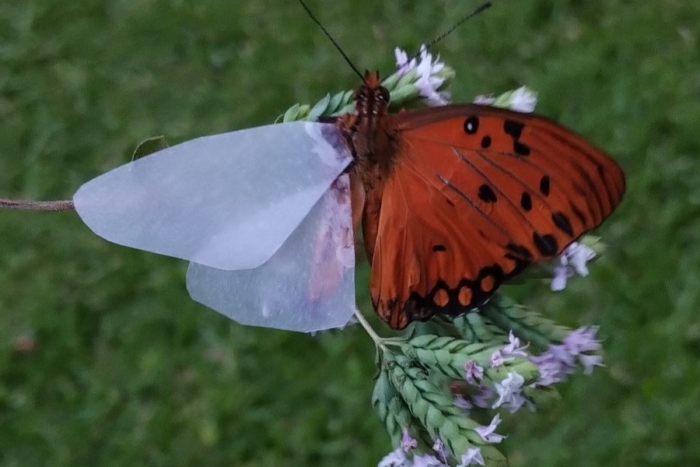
[(371, 98)]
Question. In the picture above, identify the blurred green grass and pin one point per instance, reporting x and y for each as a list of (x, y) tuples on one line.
[(128, 371)]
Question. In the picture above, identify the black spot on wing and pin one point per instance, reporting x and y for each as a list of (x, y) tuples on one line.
[(519, 251), (439, 248), (422, 307), (513, 128), (544, 185), (525, 201), (471, 125), (562, 222), (521, 149), (485, 217), (545, 244), (486, 194)]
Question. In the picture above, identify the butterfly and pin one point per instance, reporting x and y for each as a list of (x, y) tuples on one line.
[(458, 199), (452, 202)]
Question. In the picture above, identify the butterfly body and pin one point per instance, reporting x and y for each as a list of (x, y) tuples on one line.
[(459, 198)]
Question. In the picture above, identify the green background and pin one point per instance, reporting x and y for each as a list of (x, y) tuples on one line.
[(105, 361)]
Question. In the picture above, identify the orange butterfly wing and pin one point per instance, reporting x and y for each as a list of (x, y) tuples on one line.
[(475, 195)]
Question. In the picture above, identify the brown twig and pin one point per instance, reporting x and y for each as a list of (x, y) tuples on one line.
[(23, 205)]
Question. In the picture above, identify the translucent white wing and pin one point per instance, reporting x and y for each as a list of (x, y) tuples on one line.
[(308, 284), (228, 201)]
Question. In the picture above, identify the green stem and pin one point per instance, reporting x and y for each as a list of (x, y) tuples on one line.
[(368, 328)]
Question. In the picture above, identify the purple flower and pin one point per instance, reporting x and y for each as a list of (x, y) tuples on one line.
[(484, 100), (407, 442), (472, 457), (403, 65), (572, 261), (550, 369), (488, 433), (429, 80), (520, 100), (441, 450), (513, 348), (481, 399), (563, 355), (510, 350), (426, 460), (523, 100), (560, 275), (429, 75), (582, 340), (462, 403), (579, 254), (560, 360), (396, 458), (589, 362), (510, 392), (496, 359), (474, 372)]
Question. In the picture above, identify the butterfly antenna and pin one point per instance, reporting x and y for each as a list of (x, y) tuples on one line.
[(328, 35), (480, 9)]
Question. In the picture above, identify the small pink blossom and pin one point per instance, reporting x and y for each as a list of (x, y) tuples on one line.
[(560, 360), (396, 458), (482, 398), (429, 80), (550, 369), (560, 276), (488, 432), (582, 340), (563, 354), (427, 460), (496, 359), (513, 348), (484, 100), (589, 362), (474, 372), (403, 65), (510, 392), (462, 403), (472, 457), (523, 100), (572, 261), (407, 442), (441, 450)]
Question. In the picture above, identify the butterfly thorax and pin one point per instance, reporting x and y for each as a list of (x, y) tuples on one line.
[(368, 133), (373, 142)]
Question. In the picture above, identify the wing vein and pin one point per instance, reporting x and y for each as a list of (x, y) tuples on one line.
[(472, 204), (590, 157), (495, 186), (592, 189), (596, 211)]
